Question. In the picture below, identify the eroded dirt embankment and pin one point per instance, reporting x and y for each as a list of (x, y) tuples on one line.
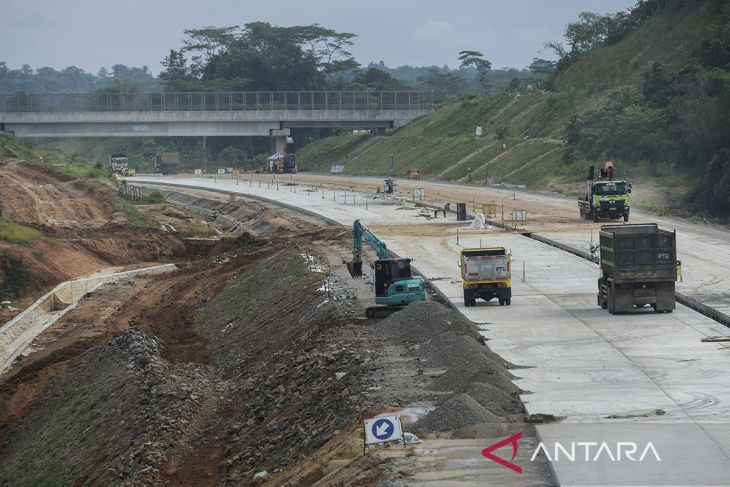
[(85, 228)]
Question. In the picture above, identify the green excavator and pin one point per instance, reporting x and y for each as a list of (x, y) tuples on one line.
[(395, 286)]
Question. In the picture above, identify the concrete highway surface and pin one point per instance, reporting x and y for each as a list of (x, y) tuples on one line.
[(642, 383)]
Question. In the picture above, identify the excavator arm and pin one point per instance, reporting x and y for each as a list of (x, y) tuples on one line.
[(360, 233)]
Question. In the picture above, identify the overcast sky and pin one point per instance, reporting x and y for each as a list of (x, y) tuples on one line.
[(95, 33)]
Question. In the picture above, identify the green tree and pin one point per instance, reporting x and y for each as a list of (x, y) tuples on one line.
[(231, 157), (658, 86), (376, 79), (258, 56), (715, 188), (476, 60), (501, 132), (445, 83)]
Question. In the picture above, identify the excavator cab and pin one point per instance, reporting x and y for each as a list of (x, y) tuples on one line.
[(388, 271)]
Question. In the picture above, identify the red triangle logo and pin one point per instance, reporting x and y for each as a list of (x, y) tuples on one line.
[(512, 440)]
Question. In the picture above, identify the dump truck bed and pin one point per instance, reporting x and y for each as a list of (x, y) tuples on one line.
[(485, 265), (638, 253)]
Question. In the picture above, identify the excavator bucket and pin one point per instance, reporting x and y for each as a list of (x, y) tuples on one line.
[(355, 269)]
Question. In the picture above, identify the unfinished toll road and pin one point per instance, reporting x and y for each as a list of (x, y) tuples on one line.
[(243, 361), (600, 372)]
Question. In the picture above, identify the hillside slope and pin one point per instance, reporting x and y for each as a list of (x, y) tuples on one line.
[(597, 106), (443, 146)]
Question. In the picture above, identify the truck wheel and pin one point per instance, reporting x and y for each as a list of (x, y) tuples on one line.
[(501, 302), (626, 217), (604, 304), (507, 301)]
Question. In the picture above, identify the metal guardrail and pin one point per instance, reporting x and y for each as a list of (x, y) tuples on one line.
[(378, 101)]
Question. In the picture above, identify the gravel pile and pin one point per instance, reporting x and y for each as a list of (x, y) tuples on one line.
[(498, 399), (466, 361), (441, 338), (423, 320), (459, 412)]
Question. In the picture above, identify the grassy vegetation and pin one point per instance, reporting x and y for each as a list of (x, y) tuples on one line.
[(153, 198), (668, 38), (443, 145), (17, 234), (135, 217)]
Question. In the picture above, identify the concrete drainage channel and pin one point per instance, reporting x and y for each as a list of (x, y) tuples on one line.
[(17, 334)]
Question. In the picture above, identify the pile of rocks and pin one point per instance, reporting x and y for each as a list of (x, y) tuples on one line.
[(118, 409), (298, 399), (442, 339)]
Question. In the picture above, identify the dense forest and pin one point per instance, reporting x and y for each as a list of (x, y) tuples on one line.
[(74, 80)]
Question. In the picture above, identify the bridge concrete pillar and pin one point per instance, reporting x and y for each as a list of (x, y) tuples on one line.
[(278, 140)]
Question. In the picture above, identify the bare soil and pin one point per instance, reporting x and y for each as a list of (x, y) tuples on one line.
[(84, 225)]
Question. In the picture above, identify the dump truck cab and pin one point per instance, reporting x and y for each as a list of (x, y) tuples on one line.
[(486, 273), (610, 199)]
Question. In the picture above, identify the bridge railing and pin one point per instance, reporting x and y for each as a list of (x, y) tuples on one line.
[(217, 101)]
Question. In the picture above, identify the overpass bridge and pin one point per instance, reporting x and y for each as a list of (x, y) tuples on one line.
[(178, 114)]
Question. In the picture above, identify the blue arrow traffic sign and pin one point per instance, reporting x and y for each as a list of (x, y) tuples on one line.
[(383, 429)]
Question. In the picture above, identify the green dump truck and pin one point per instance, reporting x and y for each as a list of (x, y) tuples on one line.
[(167, 163), (638, 268)]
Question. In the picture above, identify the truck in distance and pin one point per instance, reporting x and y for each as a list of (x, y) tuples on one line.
[(638, 267), (605, 198), (486, 273), (167, 163), (119, 164)]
